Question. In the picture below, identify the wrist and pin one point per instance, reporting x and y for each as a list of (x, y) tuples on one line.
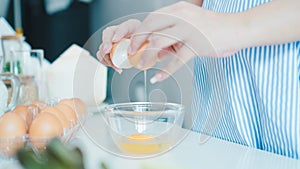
[(226, 33)]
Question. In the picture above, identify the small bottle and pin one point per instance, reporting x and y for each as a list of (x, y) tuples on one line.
[(121, 59)]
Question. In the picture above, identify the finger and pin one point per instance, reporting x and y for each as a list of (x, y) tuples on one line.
[(182, 56), (163, 74), (107, 62), (125, 29), (157, 42), (103, 58), (155, 21), (164, 38), (100, 58), (107, 36), (149, 56), (100, 53), (136, 41), (166, 52)]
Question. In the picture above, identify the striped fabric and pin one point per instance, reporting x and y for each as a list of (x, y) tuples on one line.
[(252, 97)]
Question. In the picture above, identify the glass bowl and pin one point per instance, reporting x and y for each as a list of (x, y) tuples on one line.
[(144, 128)]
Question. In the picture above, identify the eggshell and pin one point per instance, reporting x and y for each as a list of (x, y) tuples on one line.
[(62, 118), (121, 59), (43, 128), (77, 104), (40, 105), (12, 125), (33, 111), (81, 105), (119, 55), (68, 112), (25, 113), (46, 125), (12, 133), (135, 58), (21, 111)]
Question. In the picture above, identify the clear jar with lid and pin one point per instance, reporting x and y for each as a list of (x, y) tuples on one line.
[(27, 65), (9, 43)]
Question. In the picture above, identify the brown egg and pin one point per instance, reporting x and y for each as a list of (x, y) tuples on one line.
[(57, 113), (81, 105), (43, 128), (118, 50), (68, 112), (135, 59), (40, 105), (12, 132), (12, 125), (77, 104), (33, 111), (21, 111), (26, 112)]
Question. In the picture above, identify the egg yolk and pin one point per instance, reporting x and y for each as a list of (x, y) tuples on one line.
[(140, 137), (141, 144)]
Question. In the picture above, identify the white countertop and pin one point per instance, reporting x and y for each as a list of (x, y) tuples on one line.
[(189, 154), (94, 141)]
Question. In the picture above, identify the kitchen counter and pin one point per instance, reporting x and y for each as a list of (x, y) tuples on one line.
[(188, 154), (97, 146)]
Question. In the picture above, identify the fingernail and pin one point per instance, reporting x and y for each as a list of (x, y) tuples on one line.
[(153, 80), (156, 78)]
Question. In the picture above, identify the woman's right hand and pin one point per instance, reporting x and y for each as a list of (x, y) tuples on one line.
[(112, 35)]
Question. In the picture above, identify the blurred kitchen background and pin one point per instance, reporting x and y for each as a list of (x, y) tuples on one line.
[(54, 25)]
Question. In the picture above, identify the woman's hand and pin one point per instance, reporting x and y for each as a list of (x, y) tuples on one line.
[(182, 30), (114, 34)]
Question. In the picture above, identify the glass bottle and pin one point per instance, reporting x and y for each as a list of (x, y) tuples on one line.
[(27, 65)]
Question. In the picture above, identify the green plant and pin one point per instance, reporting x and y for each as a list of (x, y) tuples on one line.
[(6, 67), (55, 156)]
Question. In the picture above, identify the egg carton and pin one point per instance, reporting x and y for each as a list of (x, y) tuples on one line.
[(9, 146)]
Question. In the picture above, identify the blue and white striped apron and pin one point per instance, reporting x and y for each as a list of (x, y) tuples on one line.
[(252, 97)]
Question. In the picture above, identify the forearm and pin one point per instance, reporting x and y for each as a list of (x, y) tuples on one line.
[(197, 2), (272, 23)]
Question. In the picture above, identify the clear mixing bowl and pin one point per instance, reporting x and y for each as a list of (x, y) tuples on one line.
[(144, 128)]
